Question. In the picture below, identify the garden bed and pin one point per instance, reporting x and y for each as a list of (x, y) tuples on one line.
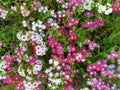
[(60, 45)]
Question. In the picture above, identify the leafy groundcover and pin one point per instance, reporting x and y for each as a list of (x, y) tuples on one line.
[(60, 44)]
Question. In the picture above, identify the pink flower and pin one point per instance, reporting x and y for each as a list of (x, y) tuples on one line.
[(14, 8), (25, 13), (1, 44)]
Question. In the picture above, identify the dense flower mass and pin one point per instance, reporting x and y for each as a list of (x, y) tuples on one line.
[(60, 45)]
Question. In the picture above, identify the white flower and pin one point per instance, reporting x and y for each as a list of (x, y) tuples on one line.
[(56, 63), (28, 78), (67, 76), (49, 85), (58, 67), (19, 36), (33, 23), (39, 22), (38, 47), (24, 38), (56, 74), (2, 77), (89, 82), (37, 67), (38, 52), (50, 74), (35, 72), (74, 7), (46, 8), (28, 85), (41, 51), (47, 71), (34, 38), (80, 44), (50, 61), (54, 87), (65, 5), (58, 81), (50, 69), (0, 65), (29, 71), (3, 65), (43, 26), (87, 5), (3, 13), (101, 8), (24, 23), (40, 25), (83, 60), (79, 56), (33, 28), (43, 9), (50, 79), (21, 71), (108, 11), (35, 85), (38, 62)]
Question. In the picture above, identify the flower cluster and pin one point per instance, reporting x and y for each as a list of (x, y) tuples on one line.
[(35, 39), (35, 5), (61, 15), (65, 5), (3, 13), (75, 3), (87, 5), (10, 79), (54, 74), (63, 31), (93, 24), (113, 55), (2, 70), (106, 9), (116, 6), (38, 26), (51, 23), (57, 48), (99, 84), (92, 45), (31, 86), (109, 71), (29, 82), (24, 12), (14, 8), (43, 9), (72, 21), (99, 66)]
